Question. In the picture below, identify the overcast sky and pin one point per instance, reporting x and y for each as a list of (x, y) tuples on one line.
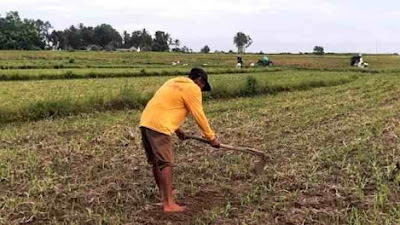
[(274, 25)]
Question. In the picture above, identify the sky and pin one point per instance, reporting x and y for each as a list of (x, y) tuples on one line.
[(274, 25)]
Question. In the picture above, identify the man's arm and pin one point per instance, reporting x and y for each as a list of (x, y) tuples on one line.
[(193, 102)]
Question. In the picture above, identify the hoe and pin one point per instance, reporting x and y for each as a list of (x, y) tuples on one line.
[(258, 166)]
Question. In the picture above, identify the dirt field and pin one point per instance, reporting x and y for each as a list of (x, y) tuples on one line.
[(333, 156)]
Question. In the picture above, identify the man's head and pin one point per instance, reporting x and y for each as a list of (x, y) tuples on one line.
[(199, 76)]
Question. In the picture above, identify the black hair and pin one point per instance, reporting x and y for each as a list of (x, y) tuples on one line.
[(196, 73)]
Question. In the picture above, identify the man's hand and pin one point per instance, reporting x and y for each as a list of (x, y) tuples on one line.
[(180, 134), (215, 142)]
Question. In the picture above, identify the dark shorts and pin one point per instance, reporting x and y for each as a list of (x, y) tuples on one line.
[(158, 147)]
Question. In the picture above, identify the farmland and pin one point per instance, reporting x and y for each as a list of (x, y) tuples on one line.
[(330, 131)]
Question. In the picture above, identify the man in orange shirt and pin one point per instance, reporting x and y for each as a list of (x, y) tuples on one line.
[(163, 116)]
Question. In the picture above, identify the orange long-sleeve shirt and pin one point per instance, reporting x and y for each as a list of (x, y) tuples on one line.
[(168, 108)]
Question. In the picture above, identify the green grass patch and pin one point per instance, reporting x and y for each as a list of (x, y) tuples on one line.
[(51, 99)]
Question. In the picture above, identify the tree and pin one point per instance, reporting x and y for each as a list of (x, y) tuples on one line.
[(242, 41), (147, 41), (141, 39), (319, 50), (87, 36), (185, 49), (126, 39), (58, 40), (205, 49), (79, 37), (176, 43), (161, 42), (136, 39), (106, 35), (43, 27), (27, 34), (74, 41)]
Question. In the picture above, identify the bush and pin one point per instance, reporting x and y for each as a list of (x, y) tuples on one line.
[(252, 87), (48, 109), (71, 60)]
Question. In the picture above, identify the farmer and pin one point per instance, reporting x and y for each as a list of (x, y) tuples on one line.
[(264, 61), (355, 60), (163, 116), (358, 60), (239, 62)]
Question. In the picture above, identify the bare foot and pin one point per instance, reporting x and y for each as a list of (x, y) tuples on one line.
[(173, 208)]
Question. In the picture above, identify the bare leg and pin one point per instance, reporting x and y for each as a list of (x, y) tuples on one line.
[(156, 173), (166, 190), (157, 177)]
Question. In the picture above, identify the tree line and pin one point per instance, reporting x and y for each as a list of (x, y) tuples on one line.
[(29, 34)]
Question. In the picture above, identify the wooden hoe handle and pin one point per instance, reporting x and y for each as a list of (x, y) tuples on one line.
[(230, 147)]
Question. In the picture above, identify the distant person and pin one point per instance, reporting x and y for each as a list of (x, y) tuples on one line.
[(358, 60), (163, 116), (355, 60), (264, 61), (239, 62)]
